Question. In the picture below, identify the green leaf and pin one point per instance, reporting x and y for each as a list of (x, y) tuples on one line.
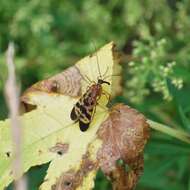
[(185, 120)]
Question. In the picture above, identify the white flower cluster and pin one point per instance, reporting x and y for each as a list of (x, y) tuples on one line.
[(151, 68)]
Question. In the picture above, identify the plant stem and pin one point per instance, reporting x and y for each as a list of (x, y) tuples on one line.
[(181, 135)]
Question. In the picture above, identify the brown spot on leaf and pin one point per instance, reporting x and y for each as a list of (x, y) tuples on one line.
[(66, 182), (11, 173), (8, 154), (60, 148), (55, 86), (26, 107), (124, 135), (87, 165), (68, 83), (72, 179)]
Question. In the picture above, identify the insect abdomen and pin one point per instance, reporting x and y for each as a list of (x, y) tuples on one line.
[(83, 126)]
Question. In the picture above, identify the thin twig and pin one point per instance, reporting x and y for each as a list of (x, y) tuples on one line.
[(12, 98)]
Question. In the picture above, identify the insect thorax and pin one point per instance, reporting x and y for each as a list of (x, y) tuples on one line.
[(95, 91)]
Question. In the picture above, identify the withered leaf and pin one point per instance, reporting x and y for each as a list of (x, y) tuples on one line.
[(124, 134)]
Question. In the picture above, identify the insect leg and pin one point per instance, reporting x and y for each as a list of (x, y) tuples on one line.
[(94, 111), (106, 94), (103, 107), (87, 79)]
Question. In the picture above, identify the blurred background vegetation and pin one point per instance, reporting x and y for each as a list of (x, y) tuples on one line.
[(154, 37)]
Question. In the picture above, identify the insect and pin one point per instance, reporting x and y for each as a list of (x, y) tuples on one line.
[(83, 111)]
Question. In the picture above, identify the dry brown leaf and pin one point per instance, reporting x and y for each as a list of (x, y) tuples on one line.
[(124, 135)]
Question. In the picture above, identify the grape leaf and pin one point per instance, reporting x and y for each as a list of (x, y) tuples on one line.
[(47, 130), (49, 135)]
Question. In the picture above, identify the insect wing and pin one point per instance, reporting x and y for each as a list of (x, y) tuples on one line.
[(76, 111), (74, 115), (87, 113)]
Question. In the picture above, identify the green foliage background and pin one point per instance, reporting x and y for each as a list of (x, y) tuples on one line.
[(154, 37)]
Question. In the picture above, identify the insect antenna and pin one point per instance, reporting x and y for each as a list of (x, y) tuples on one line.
[(86, 79), (97, 59), (105, 73), (103, 77)]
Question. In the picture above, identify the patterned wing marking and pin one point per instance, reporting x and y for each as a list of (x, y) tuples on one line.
[(75, 113), (87, 114)]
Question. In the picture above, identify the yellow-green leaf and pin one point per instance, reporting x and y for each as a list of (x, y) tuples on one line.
[(49, 135)]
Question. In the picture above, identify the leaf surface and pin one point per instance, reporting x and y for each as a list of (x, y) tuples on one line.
[(49, 135)]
